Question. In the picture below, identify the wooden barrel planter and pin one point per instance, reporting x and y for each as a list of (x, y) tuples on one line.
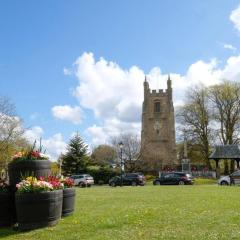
[(6, 209), (68, 201), (17, 170), (36, 210)]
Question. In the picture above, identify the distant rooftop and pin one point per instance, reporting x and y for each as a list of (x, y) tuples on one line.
[(226, 152)]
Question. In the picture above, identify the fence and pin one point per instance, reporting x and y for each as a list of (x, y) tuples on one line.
[(206, 174)]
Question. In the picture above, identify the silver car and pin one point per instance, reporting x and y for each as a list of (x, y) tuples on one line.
[(224, 181), (83, 180), (232, 179)]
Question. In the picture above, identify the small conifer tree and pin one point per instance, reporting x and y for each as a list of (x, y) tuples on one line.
[(75, 159)]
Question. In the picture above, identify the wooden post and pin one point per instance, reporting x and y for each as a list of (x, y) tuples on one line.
[(216, 162), (237, 160), (217, 168)]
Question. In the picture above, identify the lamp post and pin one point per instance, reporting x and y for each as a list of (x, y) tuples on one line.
[(60, 165), (121, 148)]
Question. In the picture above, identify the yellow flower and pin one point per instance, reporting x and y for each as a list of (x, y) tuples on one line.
[(31, 179)]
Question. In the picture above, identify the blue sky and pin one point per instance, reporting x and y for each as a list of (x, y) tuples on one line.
[(68, 65)]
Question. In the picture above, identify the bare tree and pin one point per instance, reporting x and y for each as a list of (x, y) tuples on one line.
[(194, 118), (10, 129), (131, 149)]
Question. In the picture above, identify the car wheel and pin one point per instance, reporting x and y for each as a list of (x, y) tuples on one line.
[(181, 183), (89, 185), (134, 184), (113, 184), (157, 183), (224, 183)]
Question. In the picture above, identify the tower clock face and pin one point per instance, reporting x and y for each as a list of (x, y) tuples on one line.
[(157, 126)]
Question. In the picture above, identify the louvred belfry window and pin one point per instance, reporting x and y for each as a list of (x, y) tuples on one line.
[(157, 107)]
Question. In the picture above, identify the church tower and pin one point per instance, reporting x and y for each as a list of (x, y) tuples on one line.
[(158, 146)]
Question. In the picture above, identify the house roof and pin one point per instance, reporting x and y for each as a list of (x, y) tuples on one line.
[(226, 152)]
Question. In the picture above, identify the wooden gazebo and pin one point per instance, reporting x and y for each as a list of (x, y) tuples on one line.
[(231, 152)]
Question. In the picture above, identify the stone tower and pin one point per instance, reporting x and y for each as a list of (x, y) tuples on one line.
[(158, 146)]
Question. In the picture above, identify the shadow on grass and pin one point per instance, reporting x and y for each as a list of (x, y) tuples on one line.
[(7, 231)]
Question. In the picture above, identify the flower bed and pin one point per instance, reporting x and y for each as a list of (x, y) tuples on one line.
[(38, 204), (69, 194), (39, 197), (28, 162)]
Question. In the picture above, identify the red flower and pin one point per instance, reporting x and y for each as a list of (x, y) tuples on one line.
[(35, 154), (68, 182), (42, 178), (56, 183)]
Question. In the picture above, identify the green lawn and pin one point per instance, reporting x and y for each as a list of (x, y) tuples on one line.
[(150, 212)]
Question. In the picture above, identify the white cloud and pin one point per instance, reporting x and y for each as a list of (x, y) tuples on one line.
[(68, 113), (110, 129), (235, 18), (97, 135), (204, 73), (34, 133), (103, 86), (231, 71), (115, 94), (54, 145), (230, 47), (67, 71)]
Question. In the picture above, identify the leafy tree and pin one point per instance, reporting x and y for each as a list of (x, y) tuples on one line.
[(225, 100), (212, 111), (75, 160), (55, 168), (104, 155)]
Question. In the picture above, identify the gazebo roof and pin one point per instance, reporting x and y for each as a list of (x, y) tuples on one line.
[(226, 152)]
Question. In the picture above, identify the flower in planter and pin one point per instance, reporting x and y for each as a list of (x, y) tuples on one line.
[(30, 154), (54, 181), (32, 185), (67, 182)]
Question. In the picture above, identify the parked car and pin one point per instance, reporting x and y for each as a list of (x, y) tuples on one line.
[(128, 179), (232, 179), (83, 180), (174, 178)]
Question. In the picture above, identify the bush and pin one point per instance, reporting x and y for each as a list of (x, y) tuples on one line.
[(102, 175), (149, 177), (100, 182)]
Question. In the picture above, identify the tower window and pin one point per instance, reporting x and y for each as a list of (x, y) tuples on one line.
[(157, 107)]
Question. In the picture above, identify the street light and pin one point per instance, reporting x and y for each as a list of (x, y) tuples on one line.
[(120, 144)]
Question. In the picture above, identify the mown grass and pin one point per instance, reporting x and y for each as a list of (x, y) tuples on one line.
[(150, 212), (201, 181)]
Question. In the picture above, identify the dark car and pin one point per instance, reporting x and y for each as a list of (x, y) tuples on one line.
[(174, 178), (128, 179)]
